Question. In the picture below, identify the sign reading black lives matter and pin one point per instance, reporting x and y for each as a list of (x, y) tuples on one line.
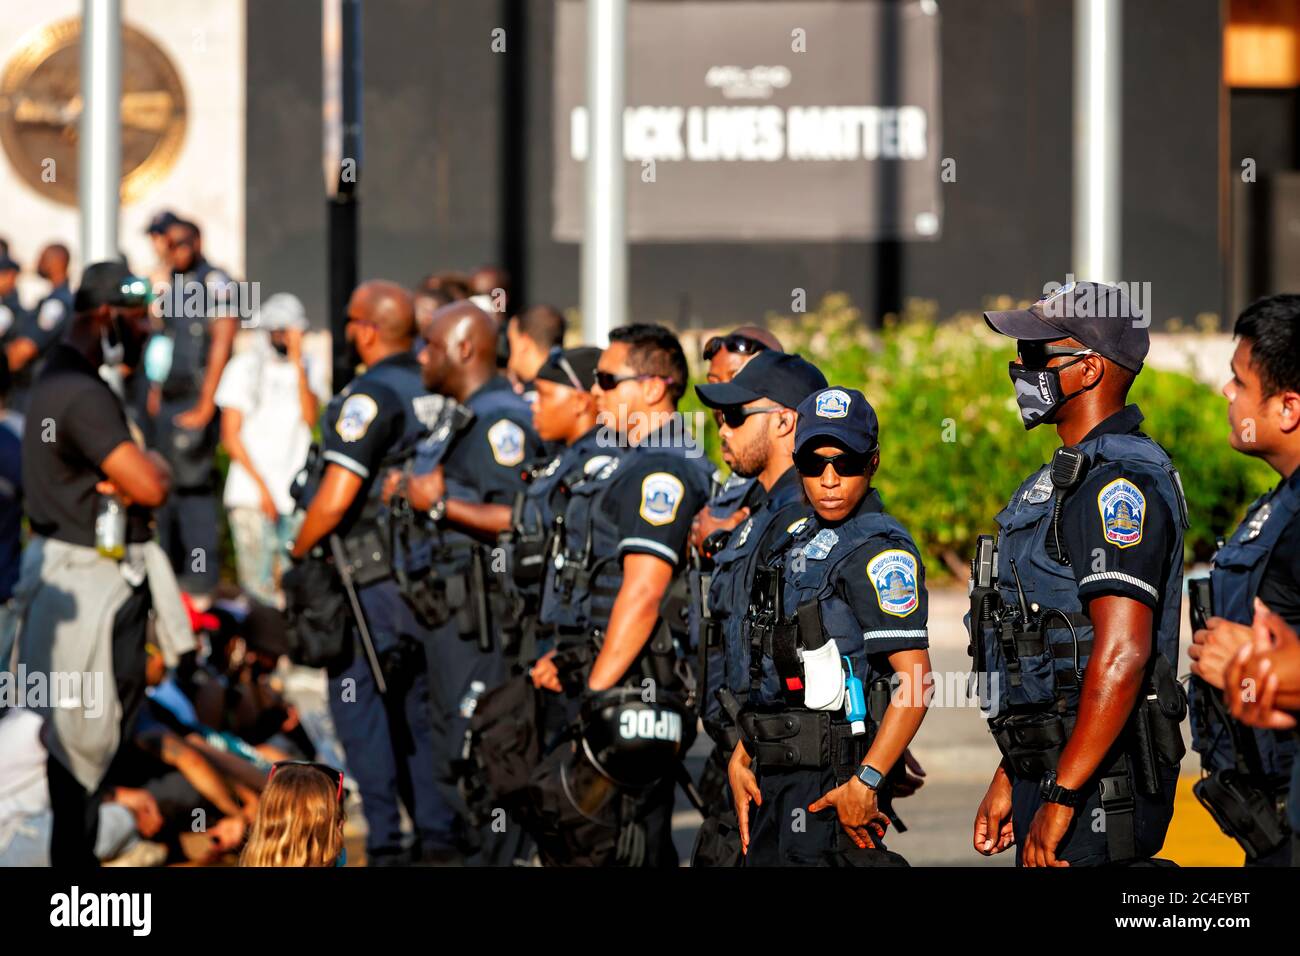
[(764, 121)]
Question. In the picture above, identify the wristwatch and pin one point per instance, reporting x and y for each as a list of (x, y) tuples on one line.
[(438, 510), (1053, 792), (869, 775)]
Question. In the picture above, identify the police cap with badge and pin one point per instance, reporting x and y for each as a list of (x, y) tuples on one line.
[(785, 379)]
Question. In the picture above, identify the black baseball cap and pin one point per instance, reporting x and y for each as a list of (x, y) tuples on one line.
[(562, 366), (1096, 314), (842, 415), (785, 379), (161, 222), (110, 283)]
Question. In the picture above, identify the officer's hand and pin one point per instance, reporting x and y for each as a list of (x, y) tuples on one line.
[(1045, 833), (196, 418), (855, 804), (913, 778), (424, 491), (545, 674), (744, 787), (1214, 647), (705, 523), (994, 817), (392, 481), (1251, 684)]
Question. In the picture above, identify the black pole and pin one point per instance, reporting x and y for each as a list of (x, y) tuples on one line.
[(888, 248), (514, 153), (342, 205)]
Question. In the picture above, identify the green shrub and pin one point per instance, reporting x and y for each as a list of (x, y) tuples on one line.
[(952, 444)]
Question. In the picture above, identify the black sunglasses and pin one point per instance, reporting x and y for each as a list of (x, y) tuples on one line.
[(735, 342), (1036, 355), (331, 772), (847, 464), (608, 381), (733, 416)]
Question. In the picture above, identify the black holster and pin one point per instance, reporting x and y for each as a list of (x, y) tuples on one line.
[(1254, 816)]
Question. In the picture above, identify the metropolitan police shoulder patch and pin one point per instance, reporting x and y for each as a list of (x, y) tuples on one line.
[(661, 495), (893, 574), (355, 416), (507, 441), (1123, 509), (50, 315)]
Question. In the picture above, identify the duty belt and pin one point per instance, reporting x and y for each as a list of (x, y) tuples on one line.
[(802, 739)]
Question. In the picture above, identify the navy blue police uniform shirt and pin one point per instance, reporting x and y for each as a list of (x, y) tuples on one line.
[(45, 323), (891, 619), (656, 493), (11, 509), (486, 464), (13, 317), (1116, 527), (359, 432), (1280, 586)]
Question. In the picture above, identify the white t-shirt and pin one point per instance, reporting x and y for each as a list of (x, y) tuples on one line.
[(263, 386)]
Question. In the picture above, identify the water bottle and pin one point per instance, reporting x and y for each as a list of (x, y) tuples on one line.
[(110, 528)]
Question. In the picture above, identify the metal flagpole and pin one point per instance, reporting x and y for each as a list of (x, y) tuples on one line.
[(1098, 75), (604, 240), (99, 155)]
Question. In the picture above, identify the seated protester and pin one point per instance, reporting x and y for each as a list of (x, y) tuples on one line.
[(128, 818), (300, 819)]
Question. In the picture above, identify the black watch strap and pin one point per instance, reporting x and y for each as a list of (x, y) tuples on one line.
[(1053, 792)]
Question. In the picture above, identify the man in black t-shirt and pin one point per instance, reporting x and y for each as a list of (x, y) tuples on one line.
[(84, 613)]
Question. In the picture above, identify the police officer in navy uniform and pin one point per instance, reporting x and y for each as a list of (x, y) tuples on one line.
[(200, 318), (619, 573), (756, 410), (461, 490), (1077, 642), (388, 742), (13, 316), (564, 416), (1260, 561), (41, 327), (835, 622)]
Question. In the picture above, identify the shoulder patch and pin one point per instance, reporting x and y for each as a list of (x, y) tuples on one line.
[(661, 495), (833, 404), (51, 314), (1123, 510), (507, 441), (823, 542), (355, 417), (893, 574)]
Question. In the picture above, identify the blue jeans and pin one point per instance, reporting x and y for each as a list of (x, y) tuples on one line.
[(30, 843)]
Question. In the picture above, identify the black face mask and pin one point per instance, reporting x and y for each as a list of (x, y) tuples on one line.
[(282, 348), (1039, 393)]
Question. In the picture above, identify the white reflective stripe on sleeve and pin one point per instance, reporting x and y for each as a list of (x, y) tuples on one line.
[(878, 635), (351, 464), (665, 552), (1120, 576)]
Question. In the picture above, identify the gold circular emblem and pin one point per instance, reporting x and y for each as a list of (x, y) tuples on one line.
[(40, 110)]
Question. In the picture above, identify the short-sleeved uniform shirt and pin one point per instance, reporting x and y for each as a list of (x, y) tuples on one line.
[(486, 464), (362, 425), (655, 493), (73, 422), (42, 326), (1116, 527), (888, 598)]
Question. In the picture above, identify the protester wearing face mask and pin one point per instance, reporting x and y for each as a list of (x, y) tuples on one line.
[(269, 397), (1076, 631)]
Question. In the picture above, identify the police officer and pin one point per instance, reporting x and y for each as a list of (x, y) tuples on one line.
[(729, 503), (615, 589), (1250, 769), (1078, 637), (12, 313), (43, 326), (564, 416), (200, 319), (389, 742), (757, 414), (461, 486), (835, 618)]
